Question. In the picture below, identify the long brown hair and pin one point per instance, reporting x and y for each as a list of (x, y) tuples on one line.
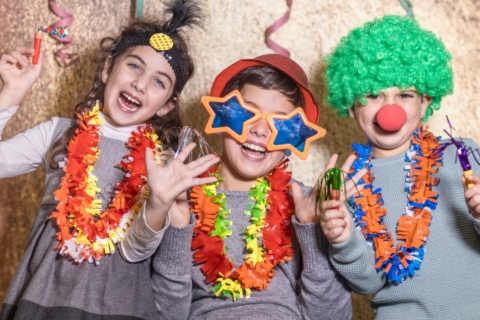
[(182, 13)]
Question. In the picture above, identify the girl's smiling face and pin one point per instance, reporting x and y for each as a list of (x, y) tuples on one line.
[(244, 163), (139, 86), (389, 143)]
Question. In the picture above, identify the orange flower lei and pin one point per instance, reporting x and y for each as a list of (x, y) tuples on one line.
[(423, 160), (272, 194), (87, 233)]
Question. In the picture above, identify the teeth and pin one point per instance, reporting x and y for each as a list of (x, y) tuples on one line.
[(131, 99), (260, 155), (253, 147), (127, 107)]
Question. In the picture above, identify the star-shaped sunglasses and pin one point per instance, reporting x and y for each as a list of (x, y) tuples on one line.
[(232, 115)]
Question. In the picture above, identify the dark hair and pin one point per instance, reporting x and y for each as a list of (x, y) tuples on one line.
[(110, 50), (266, 78)]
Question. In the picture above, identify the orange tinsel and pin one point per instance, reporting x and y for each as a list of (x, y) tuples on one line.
[(400, 261), (86, 233), (276, 235)]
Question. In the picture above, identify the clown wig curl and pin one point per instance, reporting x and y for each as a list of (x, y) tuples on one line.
[(389, 52)]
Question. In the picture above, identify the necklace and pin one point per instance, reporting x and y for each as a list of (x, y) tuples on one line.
[(85, 232), (270, 216), (423, 160)]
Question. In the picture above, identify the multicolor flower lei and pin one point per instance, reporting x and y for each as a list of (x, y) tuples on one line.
[(272, 195), (423, 160), (87, 233)]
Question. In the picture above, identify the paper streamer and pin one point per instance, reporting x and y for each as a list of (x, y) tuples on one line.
[(274, 27), (66, 59), (407, 5), (139, 9)]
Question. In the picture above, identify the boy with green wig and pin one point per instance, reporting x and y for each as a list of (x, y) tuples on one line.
[(412, 233)]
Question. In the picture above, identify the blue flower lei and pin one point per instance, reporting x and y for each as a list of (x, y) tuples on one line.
[(399, 261)]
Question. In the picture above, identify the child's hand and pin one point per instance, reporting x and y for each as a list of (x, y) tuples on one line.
[(472, 195), (304, 206), (17, 75), (335, 220), (168, 185)]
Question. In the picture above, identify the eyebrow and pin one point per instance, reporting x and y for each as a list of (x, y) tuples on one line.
[(143, 62), (253, 104)]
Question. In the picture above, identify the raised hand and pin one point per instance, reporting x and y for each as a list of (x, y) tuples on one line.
[(472, 195), (18, 75), (304, 206), (335, 219), (168, 184)]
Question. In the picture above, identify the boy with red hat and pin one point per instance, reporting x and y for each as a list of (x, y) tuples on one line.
[(253, 233)]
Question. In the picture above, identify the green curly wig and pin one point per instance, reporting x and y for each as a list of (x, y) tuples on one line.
[(389, 52)]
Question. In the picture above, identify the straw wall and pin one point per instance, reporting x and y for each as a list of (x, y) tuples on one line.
[(234, 30)]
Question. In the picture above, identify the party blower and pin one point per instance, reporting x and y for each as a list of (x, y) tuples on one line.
[(330, 185), (37, 42), (462, 153)]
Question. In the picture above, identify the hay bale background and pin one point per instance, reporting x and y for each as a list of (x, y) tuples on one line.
[(234, 30)]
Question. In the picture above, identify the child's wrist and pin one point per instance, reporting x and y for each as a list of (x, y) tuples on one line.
[(155, 214), (11, 97)]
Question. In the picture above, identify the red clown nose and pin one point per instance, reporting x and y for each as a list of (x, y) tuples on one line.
[(391, 117)]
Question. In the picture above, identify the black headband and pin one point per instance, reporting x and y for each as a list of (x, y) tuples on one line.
[(163, 44)]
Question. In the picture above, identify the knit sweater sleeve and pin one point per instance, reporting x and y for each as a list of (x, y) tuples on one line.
[(476, 169), (474, 160), (321, 289), (477, 225), (172, 273), (354, 260)]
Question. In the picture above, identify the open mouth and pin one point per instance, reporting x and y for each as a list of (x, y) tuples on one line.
[(253, 151), (128, 103)]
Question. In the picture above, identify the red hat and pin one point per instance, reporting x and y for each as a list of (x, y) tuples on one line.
[(280, 63)]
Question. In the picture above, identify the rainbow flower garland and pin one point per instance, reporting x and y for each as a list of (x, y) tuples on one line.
[(272, 195), (423, 159), (87, 233)]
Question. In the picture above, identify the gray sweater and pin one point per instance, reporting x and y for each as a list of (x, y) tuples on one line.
[(47, 286), (304, 288), (447, 284)]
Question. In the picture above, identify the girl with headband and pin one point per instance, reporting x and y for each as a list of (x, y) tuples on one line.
[(97, 167), (414, 235)]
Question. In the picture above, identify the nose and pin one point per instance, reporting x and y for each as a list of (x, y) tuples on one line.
[(260, 128), (391, 117), (389, 99), (140, 84)]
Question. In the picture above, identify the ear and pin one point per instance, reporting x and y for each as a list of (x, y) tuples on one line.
[(106, 69), (166, 107), (426, 100), (351, 112)]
